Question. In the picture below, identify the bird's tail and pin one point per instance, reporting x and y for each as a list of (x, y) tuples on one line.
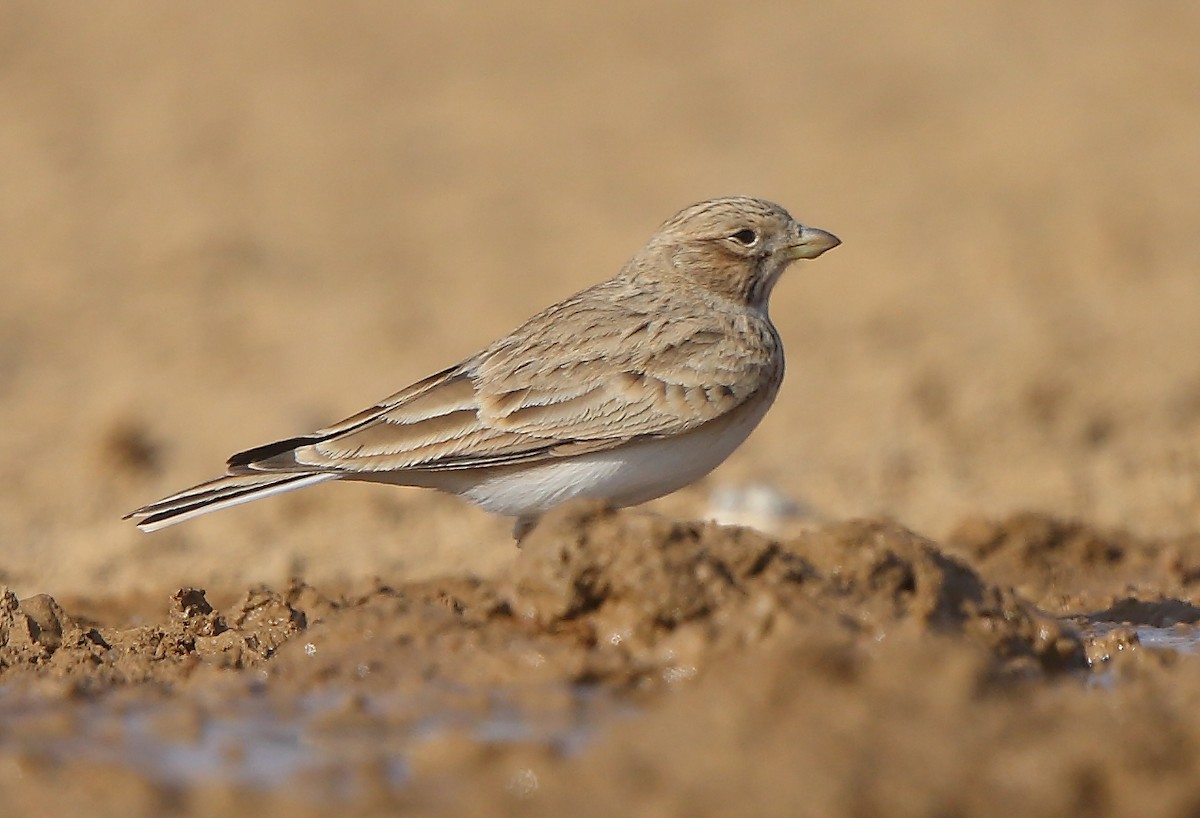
[(223, 492)]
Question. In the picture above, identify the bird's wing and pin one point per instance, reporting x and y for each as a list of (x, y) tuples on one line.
[(580, 377)]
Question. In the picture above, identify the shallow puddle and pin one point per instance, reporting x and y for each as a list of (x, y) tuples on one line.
[(1107, 640), (329, 744), (1181, 638)]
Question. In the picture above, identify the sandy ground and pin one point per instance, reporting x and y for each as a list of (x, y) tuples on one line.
[(228, 223)]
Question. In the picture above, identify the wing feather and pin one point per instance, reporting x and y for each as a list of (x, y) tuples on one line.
[(589, 374)]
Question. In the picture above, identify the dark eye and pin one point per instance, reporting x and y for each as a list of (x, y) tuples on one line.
[(745, 236)]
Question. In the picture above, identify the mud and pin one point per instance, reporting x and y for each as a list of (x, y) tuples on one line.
[(628, 661)]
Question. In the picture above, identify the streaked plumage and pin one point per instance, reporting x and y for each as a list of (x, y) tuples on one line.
[(625, 391)]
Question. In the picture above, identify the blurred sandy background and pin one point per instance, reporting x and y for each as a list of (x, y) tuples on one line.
[(224, 223)]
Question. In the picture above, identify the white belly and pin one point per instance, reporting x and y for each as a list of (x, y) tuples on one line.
[(624, 476)]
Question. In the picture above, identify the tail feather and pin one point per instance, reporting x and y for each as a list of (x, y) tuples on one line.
[(223, 492)]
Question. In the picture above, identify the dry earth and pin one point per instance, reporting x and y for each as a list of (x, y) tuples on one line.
[(224, 223)]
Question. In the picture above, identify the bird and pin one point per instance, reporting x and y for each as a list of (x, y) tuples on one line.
[(626, 391)]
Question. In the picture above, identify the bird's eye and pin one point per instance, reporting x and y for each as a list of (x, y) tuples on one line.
[(745, 236)]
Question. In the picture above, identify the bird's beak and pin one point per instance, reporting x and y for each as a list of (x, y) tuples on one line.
[(812, 242)]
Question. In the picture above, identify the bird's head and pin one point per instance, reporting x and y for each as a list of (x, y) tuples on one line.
[(736, 247)]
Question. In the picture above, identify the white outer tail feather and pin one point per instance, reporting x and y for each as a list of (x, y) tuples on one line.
[(282, 483)]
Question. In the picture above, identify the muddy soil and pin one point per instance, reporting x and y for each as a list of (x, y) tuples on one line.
[(971, 587), (629, 662)]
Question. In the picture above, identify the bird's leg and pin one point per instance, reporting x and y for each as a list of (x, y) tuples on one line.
[(523, 526)]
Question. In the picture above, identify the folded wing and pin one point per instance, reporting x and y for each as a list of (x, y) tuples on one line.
[(538, 395)]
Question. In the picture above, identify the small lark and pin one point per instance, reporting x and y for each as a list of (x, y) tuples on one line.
[(626, 391)]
